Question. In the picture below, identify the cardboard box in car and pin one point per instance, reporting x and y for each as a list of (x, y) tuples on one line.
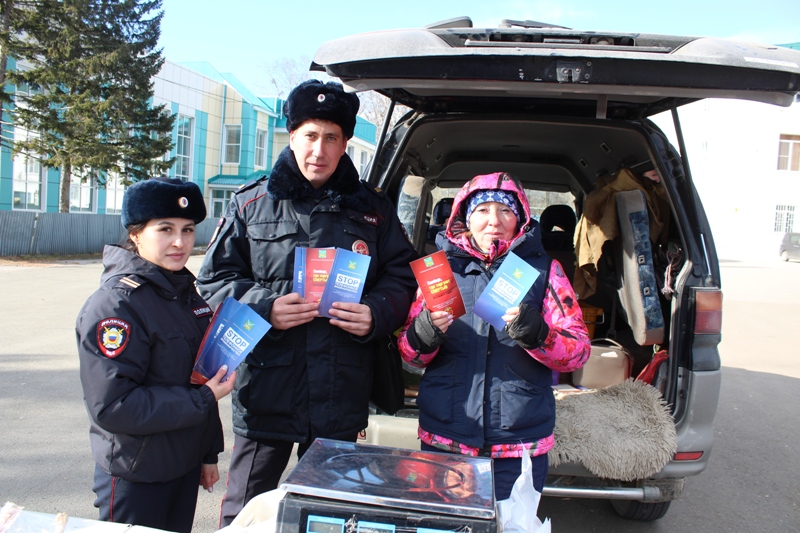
[(609, 364)]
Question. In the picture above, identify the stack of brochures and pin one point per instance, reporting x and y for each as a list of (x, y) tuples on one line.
[(328, 275), (234, 331)]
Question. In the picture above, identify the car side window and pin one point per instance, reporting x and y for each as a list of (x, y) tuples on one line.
[(411, 208)]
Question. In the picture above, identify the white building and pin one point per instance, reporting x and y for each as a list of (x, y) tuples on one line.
[(745, 162)]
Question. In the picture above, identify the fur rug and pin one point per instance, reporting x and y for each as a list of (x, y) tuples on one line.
[(623, 432)]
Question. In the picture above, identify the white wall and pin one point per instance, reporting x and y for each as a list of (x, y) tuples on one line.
[(177, 84), (359, 147), (732, 148)]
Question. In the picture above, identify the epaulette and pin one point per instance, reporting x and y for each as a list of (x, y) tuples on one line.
[(374, 189), (250, 184), (129, 283)]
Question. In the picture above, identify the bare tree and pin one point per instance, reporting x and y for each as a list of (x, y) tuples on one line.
[(285, 73), (375, 106)]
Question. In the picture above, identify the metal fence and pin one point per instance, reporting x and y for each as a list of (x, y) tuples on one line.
[(29, 233)]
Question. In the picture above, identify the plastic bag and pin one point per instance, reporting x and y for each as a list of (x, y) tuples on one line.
[(259, 515), (517, 514), (13, 519)]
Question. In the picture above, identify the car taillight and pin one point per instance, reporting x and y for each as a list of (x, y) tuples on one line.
[(708, 312), (688, 456)]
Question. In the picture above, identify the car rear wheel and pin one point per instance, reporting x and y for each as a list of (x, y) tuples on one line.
[(635, 510), (785, 255)]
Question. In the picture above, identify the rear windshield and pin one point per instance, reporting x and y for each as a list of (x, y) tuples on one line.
[(422, 227)]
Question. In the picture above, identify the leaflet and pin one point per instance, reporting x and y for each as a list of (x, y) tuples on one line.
[(508, 286), (346, 281), (234, 331), (438, 285), (311, 269)]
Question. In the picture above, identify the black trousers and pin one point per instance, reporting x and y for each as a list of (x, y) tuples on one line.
[(256, 467), (169, 505)]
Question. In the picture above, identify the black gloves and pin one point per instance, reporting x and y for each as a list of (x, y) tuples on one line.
[(422, 335), (528, 328)]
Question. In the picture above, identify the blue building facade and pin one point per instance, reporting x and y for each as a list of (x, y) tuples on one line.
[(224, 136)]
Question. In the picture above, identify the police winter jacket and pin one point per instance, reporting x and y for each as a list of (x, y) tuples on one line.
[(138, 336), (312, 380)]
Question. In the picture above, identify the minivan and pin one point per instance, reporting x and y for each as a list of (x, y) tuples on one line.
[(565, 112), (790, 246)]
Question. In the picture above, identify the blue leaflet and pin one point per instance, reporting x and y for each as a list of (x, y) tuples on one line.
[(508, 286), (346, 280), (233, 333)]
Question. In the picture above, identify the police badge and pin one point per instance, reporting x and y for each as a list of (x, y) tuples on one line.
[(112, 336)]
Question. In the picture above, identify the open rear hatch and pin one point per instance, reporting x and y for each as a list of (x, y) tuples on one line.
[(615, 74)]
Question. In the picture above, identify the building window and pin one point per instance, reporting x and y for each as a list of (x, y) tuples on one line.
[(261, 148), (183, 148), (784, 219), (22, 90), (364, 163), (219, 202), (233, 144), (27, 183), (789, 153), (81, 194), (115, 190), (27, 171), (351, 153)]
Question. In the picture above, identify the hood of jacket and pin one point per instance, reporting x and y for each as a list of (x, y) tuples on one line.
[(456, 229), (286, 182), (119, 262)]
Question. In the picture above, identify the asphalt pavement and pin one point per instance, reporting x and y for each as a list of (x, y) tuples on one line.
[(751, 483)]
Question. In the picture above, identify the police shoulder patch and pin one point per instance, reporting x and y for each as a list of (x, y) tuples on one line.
[(220, 223), (112, 336)]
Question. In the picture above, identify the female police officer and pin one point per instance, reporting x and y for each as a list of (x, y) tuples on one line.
[(154, 436)]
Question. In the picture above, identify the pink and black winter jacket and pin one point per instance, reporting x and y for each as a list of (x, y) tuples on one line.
[(483, 393)]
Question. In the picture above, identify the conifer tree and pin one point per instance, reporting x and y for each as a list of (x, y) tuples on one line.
[(88, 65)]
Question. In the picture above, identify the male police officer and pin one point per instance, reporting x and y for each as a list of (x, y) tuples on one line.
[(310, 376)]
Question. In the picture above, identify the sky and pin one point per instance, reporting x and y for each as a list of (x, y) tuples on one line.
[(244, 37)]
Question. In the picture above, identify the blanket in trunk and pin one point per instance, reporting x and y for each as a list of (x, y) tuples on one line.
[(623, 432)]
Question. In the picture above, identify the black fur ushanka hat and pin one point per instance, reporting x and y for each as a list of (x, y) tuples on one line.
[(323, 101), (162, 198)]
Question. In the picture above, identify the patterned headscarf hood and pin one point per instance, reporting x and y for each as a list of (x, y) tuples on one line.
[(456, 230), (481, 197)]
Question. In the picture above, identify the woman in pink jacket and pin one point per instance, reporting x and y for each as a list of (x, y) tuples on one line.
[(487, 391)]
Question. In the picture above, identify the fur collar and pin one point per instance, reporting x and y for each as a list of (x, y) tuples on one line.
[(286, 182)]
